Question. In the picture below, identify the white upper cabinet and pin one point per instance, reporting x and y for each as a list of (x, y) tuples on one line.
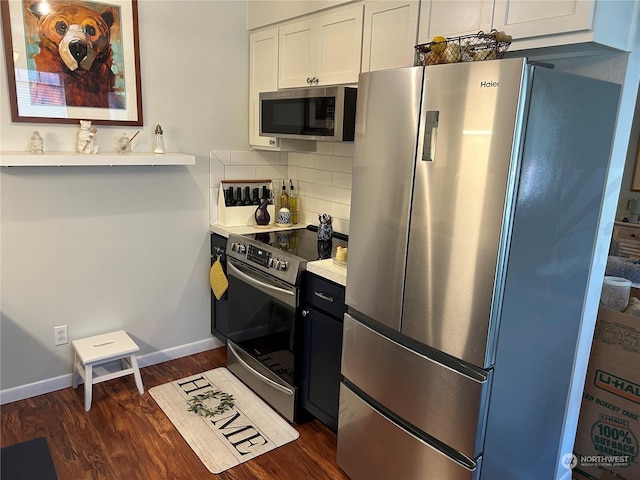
[(297, 53), (454, 18), (339, 46), (389, 34), (533, 23), (321, 50), (527, 18), (263, 77)]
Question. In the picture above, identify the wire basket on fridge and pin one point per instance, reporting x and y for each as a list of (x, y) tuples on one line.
[(466, 48)]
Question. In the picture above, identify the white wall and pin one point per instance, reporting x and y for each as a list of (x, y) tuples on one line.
[(266, 12), (625, 193), (322, 179), (243, 165), (104, 248)]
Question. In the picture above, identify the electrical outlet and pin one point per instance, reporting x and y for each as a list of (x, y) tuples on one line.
[(61, 335)]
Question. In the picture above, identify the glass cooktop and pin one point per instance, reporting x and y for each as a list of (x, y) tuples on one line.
[(300, 242)]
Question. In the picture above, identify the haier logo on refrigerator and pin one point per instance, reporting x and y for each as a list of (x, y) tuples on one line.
[(489, 84)]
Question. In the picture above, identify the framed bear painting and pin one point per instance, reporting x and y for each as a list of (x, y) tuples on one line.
[(73, 59)]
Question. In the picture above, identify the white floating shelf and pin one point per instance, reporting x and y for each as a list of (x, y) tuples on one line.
[(59, 159)]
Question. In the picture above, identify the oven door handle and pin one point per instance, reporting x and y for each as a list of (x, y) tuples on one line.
[(253, 281), (251, 370)]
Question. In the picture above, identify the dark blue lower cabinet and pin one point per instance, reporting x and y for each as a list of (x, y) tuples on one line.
[(321, 366), (219, 308)]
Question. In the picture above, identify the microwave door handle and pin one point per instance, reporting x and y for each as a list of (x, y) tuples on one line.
[(253, 281)]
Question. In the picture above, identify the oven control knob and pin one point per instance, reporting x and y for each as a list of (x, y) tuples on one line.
[(278, 264), (238, 247)]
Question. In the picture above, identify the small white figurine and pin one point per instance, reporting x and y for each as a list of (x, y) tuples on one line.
[(159, 142), (36, 145), (124, 144), (87, 138)]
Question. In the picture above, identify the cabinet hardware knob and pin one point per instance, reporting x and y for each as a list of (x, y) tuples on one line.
[(305, 313)]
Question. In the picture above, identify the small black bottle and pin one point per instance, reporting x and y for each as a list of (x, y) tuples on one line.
[(247, 195), (266, 194), (232, 198), (239, 201), (256, 196), (228, 197)]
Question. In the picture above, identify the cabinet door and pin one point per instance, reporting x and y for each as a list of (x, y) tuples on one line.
[(297, 48), (263, 77), (339, 43), (532, 18), (452, 19), (321, 372), (389, 35)]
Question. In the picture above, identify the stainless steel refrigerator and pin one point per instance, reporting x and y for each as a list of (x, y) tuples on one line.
[(476, 194)]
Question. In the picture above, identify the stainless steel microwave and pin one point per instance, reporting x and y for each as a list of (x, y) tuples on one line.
[(317, 113)]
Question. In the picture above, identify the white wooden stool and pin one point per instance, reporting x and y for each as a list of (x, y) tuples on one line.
[(108, 347)]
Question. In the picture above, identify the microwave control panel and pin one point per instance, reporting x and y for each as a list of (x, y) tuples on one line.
[(330, 109)]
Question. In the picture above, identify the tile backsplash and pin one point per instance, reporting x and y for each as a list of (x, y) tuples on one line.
[(322, 179)]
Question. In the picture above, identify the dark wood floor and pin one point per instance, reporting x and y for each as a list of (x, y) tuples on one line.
[(126, 435)]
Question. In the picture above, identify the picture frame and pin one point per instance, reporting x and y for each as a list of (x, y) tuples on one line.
[(79, 60), (635, 177)]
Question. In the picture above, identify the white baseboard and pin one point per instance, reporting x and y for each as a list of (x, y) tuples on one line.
[(64, 381)]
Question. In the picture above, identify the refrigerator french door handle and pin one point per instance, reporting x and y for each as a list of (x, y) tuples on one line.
[(422, 127), (427, 134)]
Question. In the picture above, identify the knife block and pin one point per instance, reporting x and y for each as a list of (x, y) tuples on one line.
[(238, 216)]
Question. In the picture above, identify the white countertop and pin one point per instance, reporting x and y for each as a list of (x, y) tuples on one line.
[(329, 270), (244, 229)]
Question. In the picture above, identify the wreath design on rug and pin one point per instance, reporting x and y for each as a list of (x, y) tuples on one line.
[(211, 403)]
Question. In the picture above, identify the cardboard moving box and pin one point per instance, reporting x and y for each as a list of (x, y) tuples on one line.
[(606, 445)]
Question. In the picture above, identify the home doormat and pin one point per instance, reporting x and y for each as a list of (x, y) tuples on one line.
[(30, 459), (221, 419)]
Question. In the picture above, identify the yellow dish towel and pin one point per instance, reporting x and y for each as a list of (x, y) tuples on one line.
[(218, 279)]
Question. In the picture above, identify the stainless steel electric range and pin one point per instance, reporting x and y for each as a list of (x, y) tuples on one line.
[(263, 345)]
